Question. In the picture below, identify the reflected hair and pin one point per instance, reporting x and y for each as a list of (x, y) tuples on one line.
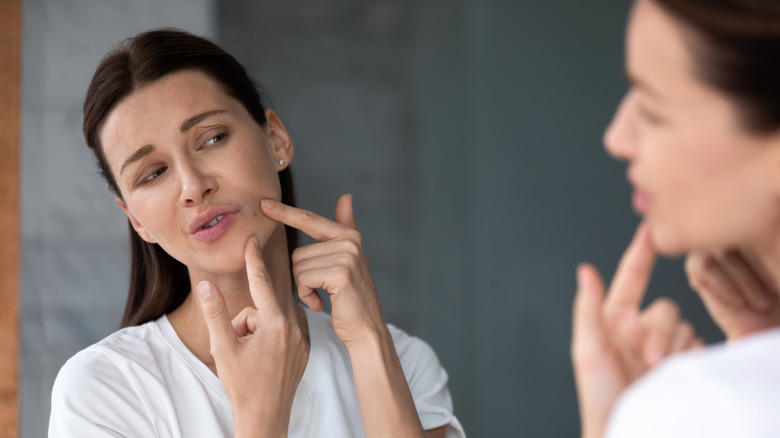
[(736, 49), (158, 282)]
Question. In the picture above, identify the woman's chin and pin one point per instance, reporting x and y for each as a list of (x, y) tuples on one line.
[(667, 243)]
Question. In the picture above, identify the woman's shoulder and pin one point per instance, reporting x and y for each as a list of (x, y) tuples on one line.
[(748, 365), (103, 379), (725, 388), (126, 343), (117, 354)]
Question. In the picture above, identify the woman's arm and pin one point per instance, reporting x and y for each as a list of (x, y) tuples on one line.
[(338, 265)]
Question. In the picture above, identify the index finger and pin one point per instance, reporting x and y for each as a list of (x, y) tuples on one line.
[(313, 225), (633, 273), (260, 285)]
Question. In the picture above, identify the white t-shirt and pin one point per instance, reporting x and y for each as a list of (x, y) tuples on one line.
[(729, 390), (143, 382)]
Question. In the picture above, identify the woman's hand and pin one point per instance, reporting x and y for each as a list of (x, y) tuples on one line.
[(736, 289), (260, 355), (338, 265), (613, 343)]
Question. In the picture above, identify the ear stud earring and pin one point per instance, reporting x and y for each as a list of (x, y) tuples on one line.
[(281, 162)]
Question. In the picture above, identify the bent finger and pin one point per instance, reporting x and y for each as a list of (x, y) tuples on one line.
[(221, 335), (707, 277), (660, 321), (746, 279), (684, 338), (260, 286), (310, 298), (245, 323)]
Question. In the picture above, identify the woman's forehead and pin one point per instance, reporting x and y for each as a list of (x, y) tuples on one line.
[(166, 103)]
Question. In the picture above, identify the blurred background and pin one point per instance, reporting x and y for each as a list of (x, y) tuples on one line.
[(468, 131)]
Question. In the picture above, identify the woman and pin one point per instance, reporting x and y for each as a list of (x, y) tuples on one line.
[(700, 129), (201, 169)]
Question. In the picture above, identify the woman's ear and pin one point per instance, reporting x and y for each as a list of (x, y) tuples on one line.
[(142, 232), (281, 142)]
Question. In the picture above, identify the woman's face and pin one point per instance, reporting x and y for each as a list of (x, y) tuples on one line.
[(192, 166), (700, 178)]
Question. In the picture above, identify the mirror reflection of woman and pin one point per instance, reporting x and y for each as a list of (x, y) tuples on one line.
[(700, 130), (214, 342)]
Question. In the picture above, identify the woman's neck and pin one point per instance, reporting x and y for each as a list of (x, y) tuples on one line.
[(187, 320)]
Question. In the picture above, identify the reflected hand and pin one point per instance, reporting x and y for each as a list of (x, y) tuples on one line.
[(260, 355), (613, 343), (737, 290)]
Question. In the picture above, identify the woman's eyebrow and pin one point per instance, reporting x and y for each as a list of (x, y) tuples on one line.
[(644, 86), (137, 155), (186, 125), (192, 121)]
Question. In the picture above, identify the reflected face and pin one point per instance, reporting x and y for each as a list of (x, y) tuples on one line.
[(192, 166), (700, 178)]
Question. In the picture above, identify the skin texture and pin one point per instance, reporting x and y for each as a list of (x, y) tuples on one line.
[(241, 320), (701, 182)]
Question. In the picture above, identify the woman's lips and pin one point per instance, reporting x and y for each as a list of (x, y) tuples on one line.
[(217, 227), (640, 201)]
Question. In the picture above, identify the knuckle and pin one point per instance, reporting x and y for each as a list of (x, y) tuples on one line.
[(342, 274), (353, 247), (278, 326), (347, 260), (707, 264), (262, 277), (296, 255), (685, 329), (308, 217), (353, 235), (213, 309), (692, 264)]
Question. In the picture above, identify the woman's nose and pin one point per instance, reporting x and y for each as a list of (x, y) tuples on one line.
[(195, 185), (620, 138)]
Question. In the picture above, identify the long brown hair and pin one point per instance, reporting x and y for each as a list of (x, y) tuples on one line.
[(158, 282), (736, 49)]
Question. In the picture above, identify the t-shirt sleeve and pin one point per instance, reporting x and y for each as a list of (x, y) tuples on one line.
[(93, 398), (675, 401), (427, 382)]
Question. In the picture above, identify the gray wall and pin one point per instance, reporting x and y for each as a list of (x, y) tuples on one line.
[(468, 131)]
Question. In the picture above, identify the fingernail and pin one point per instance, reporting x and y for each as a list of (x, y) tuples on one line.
[(267, 203), (205, 289), (256, 242)]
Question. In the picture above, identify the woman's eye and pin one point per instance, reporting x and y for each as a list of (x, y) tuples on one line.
[(649, 116), (152, 176), (215, 139)]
